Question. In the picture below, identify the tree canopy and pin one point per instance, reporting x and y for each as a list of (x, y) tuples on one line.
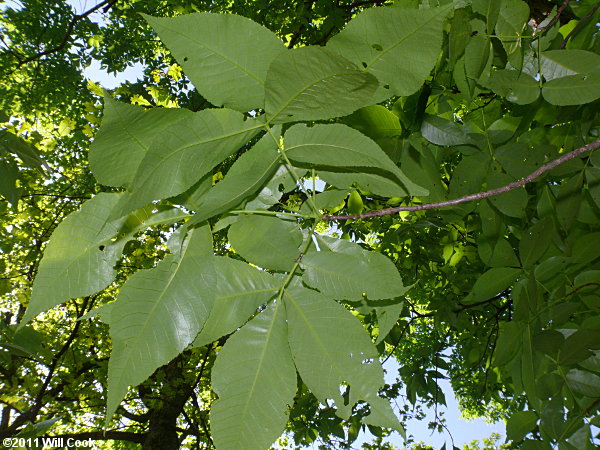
[(223, 253)]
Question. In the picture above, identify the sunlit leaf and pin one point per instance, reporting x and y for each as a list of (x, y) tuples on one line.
[(185, 152)]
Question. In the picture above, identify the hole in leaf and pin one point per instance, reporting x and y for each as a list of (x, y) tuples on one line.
[(185, 59), (367, 361), (386, 86), (377, 47), (101, 248), (364, 64)]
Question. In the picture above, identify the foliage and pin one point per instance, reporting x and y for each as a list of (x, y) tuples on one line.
[(210, 246)]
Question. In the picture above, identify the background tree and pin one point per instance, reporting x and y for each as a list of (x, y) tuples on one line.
[(504, 289)]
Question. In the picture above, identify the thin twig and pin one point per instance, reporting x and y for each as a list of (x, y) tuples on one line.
[(581, 23), (557, 16), (106, 4), (478, 196)]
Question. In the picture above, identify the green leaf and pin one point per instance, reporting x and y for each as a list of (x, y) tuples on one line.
[(9, 174), (583, 382), (440, 131), (348, 276), (516, 87), (336, 145), (387, 317), (28, 153), (398, 46), (255, 379), (459, 36), (511, 203), (535, 241), (490, 9), (240, 290), (247, 175), (79, 257), (331, 348), (267, 241), (282, 181), (562, 63), (512, 19), (185, 152), (375, 121), (124, 137), (225, 56), (157, 315), (311, 83), (518, 159), (520, 424), (491, 283), (573, 89), (374, 183)]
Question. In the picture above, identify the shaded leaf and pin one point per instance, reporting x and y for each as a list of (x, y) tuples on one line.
[(267, 241), (226, 56), (28, 153), (64, 273), (337, 145), (583, 382), (125, 136), (491, 283), (240, 289), (398, 46), (255, 379), (311, 83), (573, 89), (157, 315), (516, 87), (185, 152), (562, 63), (520, 424), (440, 131), (330, 347), (246, 176)]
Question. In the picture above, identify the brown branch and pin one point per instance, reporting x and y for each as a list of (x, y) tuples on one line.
[(478, 196), (581, 23), (557, 16), (106, 4)]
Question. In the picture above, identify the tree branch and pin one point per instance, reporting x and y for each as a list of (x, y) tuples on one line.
[(557, 16), (478, 196), (106, 4), (581, 23)]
